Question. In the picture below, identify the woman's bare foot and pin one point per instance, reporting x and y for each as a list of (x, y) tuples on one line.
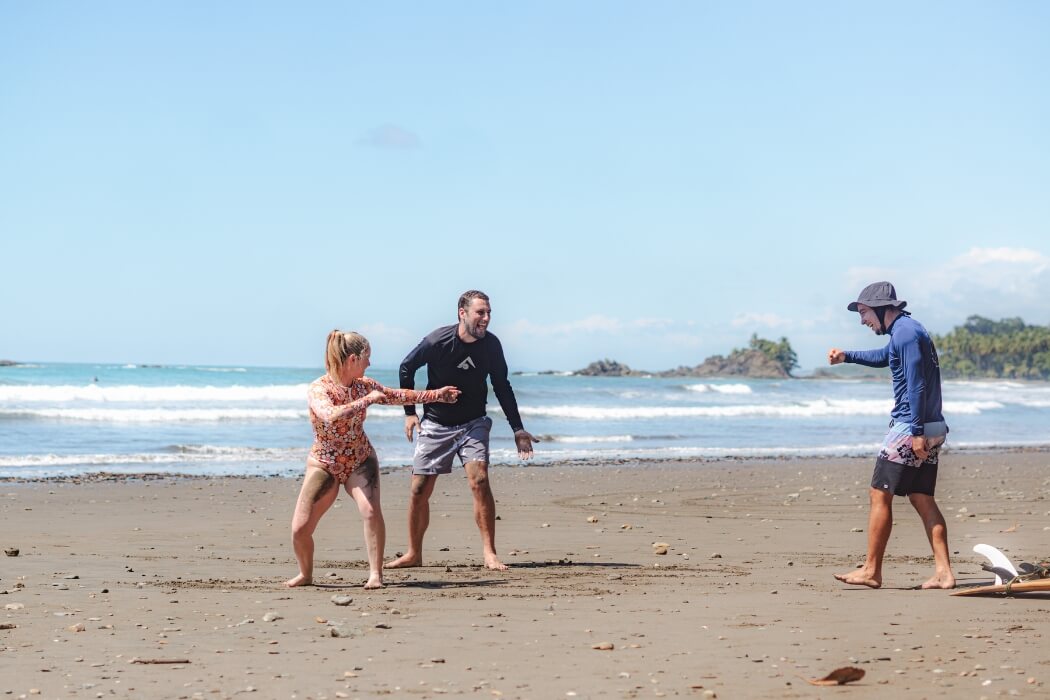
[(942, 581), (860, 578), (493, 562), (405, 561), (374, 581), (299, 580)]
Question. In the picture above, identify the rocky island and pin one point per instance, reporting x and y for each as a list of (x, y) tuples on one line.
[(762, 359)]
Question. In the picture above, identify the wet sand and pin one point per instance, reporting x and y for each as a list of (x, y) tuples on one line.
[(742, 605)]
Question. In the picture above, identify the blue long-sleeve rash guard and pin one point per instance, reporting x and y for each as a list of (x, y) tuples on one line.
[(912, 359)]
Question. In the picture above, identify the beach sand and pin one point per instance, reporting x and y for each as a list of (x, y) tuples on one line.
[(743, 604)]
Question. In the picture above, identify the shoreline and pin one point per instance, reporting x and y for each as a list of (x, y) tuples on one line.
[(743, 603), (639, 462)]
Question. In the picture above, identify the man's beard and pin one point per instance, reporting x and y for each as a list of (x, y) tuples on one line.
[(880, 314), (473, 331)]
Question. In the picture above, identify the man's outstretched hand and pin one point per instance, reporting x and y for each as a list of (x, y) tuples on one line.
[(836, 356), (524, 439), (411, 423)]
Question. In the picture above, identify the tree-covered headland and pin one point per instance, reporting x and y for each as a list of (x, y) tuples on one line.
[(983, 348)]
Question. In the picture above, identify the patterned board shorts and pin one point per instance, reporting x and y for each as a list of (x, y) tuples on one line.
[(896, 446)]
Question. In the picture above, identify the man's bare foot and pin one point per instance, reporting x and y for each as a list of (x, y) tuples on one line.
[(860, 578), (940, 582), (299, 580), (493, 562), (405, 561), (374, 581)]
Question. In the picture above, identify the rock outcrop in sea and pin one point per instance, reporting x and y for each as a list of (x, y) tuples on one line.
[(739, 363), (609, 368)]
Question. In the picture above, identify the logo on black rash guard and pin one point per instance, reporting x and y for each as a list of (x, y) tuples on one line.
[(466, 364)]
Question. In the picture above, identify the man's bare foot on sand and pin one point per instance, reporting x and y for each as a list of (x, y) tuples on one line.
[(493, 562), (299, 580), (374, 581), (860, 578), (940, 582), (405, 561)]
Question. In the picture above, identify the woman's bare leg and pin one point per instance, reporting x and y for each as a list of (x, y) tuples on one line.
[(363, 487), (315, 497)]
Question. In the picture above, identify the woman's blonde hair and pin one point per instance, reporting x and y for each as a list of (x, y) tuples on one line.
[(341, 345)]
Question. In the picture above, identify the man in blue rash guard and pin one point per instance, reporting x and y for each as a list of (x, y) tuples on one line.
[(464, 355), (907, 462)]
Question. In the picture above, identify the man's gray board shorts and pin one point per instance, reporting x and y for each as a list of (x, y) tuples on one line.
[(437, 445)]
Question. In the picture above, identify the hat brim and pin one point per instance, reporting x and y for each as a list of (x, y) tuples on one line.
[(897, 304)]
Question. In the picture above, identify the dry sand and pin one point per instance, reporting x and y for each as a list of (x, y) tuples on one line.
[(742, 605)]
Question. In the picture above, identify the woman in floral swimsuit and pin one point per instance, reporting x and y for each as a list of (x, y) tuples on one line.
[(342, 454)]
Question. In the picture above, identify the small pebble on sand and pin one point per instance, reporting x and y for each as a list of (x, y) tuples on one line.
[(340, 631)]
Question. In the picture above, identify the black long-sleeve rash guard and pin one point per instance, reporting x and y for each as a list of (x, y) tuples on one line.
[(451, 362)]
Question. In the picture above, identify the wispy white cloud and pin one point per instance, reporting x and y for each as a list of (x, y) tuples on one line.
[(763, 320), (767, 321), (391, 137), (389, 343), (597, 324), (994, 282), (984, 256), (636, 341)]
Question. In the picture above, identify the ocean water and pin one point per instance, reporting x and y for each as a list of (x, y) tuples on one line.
[(69, 419)]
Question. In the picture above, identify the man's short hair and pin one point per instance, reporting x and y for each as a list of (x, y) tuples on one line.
[(469, 296)]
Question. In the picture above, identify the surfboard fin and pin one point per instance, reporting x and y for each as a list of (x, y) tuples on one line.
[(1001, 565)]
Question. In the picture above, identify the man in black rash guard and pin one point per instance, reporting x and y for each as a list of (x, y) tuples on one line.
[(464, 356)]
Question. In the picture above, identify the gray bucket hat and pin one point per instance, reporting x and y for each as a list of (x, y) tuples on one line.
[(878, 294)]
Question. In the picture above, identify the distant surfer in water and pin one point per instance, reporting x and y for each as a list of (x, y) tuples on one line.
[(342, 455)]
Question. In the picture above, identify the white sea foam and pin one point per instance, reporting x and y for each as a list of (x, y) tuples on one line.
[(1034, 403), (158, 415), (132, 393), (989, 385), (180, 469), (720, 388), (970, 408), (561, 373), (807, 409), (588, 438), (641, 453), (180, 415), (190, 454)]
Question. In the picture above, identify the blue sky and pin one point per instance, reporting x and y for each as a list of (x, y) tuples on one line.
[(651, 182)]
